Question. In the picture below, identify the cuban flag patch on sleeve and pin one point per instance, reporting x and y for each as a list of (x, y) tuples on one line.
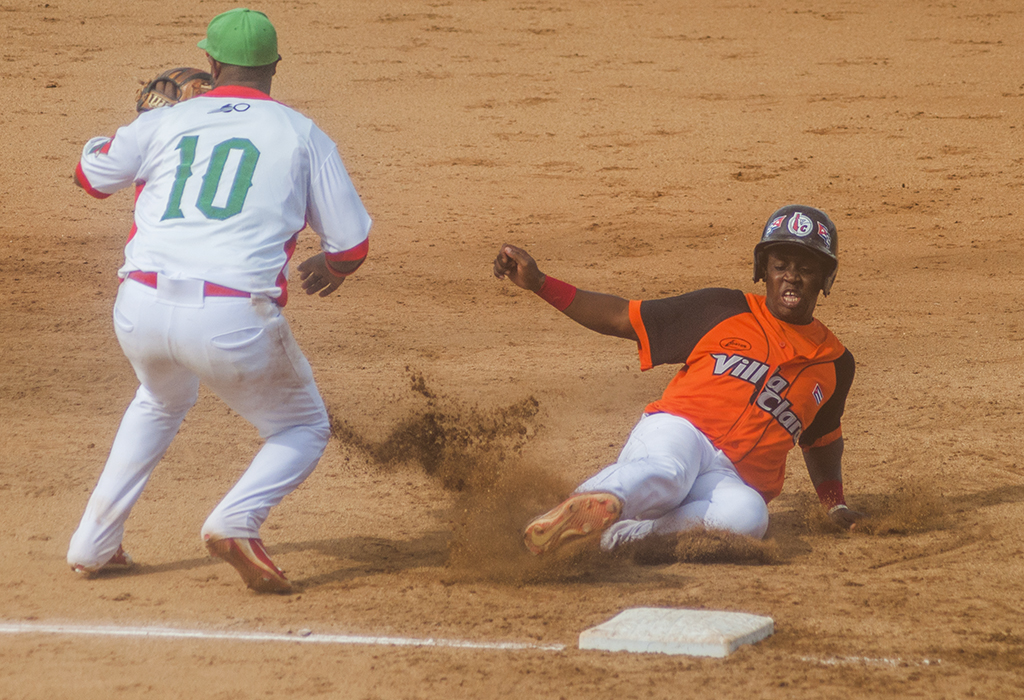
[(818, 395)]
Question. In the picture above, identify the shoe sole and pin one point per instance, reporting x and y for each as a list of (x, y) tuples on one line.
[(121, 561), (252, 563), (578, 516)]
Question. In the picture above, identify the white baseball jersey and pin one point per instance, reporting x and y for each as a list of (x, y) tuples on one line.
[(224, 184), (209, 200)]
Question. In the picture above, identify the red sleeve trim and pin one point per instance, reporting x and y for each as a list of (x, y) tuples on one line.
[(357, 253), (643, 345), (282, 280), (82, 180)]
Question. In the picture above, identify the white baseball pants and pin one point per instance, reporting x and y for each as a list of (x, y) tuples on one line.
[(243, 350), (671, 478)]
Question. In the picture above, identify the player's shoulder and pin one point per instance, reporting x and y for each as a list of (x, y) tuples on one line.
[(826, 332), (709, 296), (833, 346), (722, 296), (237, 100), (252, 111), (702, 307), (149, 119), (144, 125)]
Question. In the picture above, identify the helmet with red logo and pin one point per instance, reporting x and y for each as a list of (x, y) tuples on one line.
[(797, 224)]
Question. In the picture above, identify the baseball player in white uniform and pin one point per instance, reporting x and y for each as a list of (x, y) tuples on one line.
[(224, 183)]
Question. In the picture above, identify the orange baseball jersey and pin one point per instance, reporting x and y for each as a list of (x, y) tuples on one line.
[(754, 385)]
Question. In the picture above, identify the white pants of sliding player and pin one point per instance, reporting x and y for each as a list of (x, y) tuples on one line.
[(243, 350), (671, 478)]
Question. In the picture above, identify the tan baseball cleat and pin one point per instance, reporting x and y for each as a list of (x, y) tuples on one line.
[(121, 561), (252, 562), (580, 515)]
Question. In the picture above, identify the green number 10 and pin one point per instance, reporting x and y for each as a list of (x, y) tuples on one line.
[(211, 180)]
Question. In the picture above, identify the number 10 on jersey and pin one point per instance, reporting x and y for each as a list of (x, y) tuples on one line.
[(240, 185)]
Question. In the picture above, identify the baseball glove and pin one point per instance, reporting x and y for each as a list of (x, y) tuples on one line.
[(173, 86)]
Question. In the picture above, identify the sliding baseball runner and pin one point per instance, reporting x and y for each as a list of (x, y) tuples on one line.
[(759, 374)]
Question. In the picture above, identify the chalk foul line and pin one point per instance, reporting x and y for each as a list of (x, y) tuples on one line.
[(302, 637), (869, 661), (305, 636)]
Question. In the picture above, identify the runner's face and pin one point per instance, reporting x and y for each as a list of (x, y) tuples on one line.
[(793, 278)]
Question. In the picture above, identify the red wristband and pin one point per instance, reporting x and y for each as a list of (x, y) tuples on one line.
[(557, 293), (830, 493)]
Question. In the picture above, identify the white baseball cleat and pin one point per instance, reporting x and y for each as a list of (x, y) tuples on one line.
[(121, 561), (252, 562), (580, 515)]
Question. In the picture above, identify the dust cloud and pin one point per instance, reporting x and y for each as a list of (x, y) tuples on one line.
[(478, 454)]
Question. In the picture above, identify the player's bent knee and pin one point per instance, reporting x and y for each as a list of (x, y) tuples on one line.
[(322, 430), (311, 439), (755, 521), (756, 525), (744, 514)]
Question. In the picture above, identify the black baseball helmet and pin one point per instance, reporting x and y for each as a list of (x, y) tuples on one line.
[(796, 224)]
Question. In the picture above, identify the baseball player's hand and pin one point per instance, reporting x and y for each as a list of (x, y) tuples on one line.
[(516, 265), (846, 518), (316, 276)]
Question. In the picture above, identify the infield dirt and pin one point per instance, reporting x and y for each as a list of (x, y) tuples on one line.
[(634, 148)]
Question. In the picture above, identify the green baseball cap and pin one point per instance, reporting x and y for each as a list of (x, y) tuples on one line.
[(241, 37)]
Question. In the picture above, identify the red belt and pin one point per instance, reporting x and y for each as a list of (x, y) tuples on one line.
[(209, 288)]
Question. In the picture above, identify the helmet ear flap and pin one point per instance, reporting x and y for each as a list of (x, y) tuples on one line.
[(759, 265), (826, 286)]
